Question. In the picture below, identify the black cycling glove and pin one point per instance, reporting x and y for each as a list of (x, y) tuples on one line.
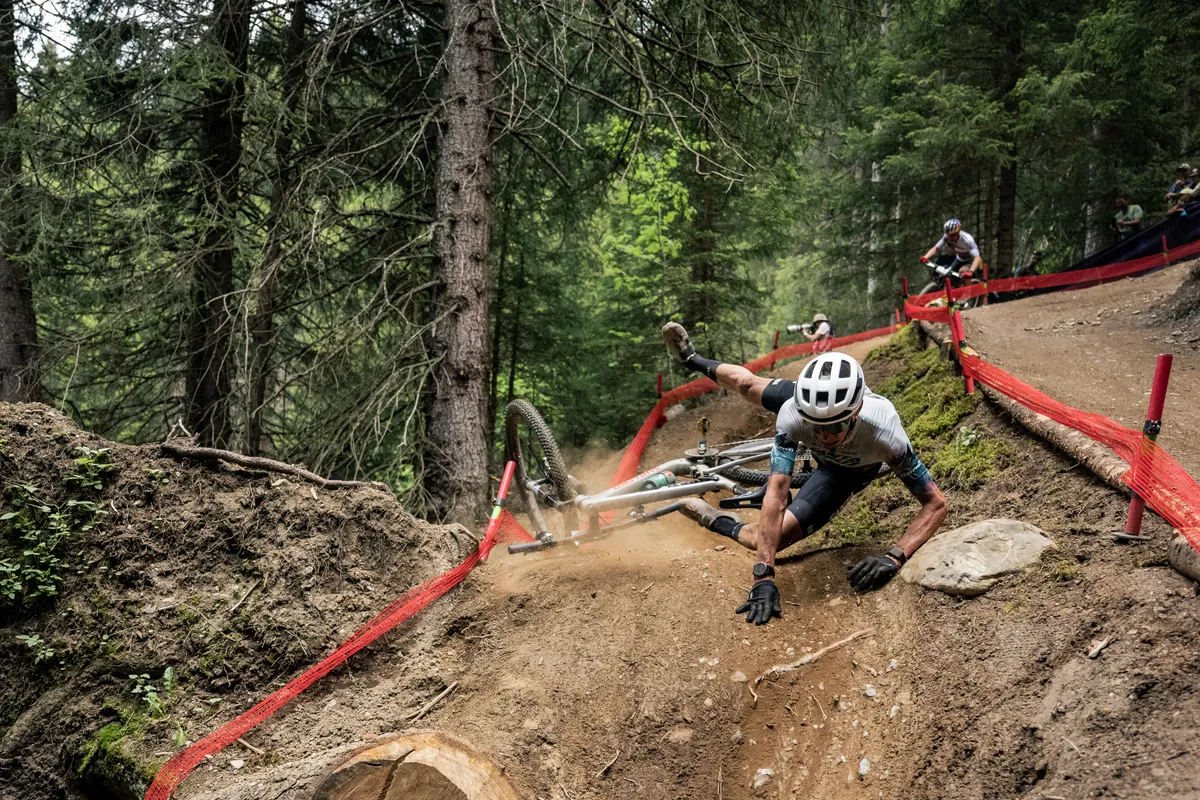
[(762, 604), (873, 572)]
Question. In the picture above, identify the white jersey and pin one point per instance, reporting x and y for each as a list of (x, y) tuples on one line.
[(965, 248), (877, 436)]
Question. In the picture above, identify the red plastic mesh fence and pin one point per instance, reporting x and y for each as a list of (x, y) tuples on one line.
[(502, 527)]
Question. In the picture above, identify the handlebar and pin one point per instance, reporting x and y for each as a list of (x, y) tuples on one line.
[(527, 547)]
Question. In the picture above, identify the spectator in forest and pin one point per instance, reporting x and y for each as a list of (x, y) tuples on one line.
[(851, 433), (1183, 180), (1031, 267), (1185, 196), (1128, 219)]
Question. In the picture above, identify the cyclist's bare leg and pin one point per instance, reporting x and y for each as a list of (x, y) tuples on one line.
[(793, 531)]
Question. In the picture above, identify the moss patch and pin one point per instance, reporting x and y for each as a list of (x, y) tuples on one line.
[(970, 459), (929, 397), (108, 758), (902, 345)]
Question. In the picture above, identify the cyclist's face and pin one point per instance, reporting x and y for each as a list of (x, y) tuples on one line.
[(952, 237), (830, 436)]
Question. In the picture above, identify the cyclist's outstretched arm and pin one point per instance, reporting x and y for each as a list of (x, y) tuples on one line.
[(738, 379)]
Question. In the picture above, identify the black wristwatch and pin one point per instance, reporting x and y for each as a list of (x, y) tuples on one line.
[(762, 571), (898, 554)]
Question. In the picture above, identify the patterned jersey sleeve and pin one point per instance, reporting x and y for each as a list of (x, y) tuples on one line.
[(913, 473), (783, 454)]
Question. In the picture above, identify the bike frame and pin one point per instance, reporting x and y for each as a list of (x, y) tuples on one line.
[(703, 478)]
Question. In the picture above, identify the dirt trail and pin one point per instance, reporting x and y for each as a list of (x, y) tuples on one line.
[(1096, 348)]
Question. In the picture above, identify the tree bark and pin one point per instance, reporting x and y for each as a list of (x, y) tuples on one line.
[(262, 324), (19, 379), (219, 152), (498, 326), (456, 453)]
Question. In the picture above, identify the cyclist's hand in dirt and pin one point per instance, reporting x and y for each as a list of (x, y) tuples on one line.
[(762, 604), (873, 572)]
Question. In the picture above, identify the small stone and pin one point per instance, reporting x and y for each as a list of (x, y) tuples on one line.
[(329, 706), (869, 690), (708, 703), (843, 705), (530, 724), (864, 767), (762, 778), (681, 735), (237, 763), (892, 665), (738, 677), (893, 711), (719, 548), (736, 738)]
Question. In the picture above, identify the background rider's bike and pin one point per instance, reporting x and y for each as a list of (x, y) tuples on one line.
[(555, 501), (957, 280)]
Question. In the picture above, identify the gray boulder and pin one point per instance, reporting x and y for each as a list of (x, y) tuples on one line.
[(967, 561)]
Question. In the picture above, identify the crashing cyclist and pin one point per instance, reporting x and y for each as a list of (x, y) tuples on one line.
[(851, 434), (961, 244)]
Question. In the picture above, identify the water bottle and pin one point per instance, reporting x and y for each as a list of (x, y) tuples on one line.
[(658, 480)]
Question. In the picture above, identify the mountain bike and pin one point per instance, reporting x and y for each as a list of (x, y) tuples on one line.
[(555, 501), (957, 280)]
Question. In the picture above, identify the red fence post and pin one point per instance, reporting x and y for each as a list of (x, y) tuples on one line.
[(1158, 396), (898, 322), (949, 297), (1166, 250), (960, 341), (660, 384), (985, 282)]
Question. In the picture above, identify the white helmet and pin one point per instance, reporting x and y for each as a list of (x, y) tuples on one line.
[(830, 389)]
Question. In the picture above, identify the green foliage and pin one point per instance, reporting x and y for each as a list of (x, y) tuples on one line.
[(38, 648), (31, 564), (93, 467)]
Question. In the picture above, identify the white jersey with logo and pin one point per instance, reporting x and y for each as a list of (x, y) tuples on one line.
[(965, 248), (877, 436)]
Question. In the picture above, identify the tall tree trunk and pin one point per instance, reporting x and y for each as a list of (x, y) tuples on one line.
[(987, 233), (456, 452), (1007, 201), (498, 326), (19, 380), (698, 302), (219, 153), (262, 324)]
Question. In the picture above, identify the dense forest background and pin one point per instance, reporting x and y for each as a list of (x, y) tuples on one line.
[(347, 233)]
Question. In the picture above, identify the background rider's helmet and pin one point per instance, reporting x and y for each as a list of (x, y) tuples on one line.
[(820, 318), (830, 389), (952, 226)]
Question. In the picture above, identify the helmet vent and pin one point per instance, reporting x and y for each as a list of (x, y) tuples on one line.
[(844, 370), (811, 366), (839, 395), (822, 399), (805, 395), (826, 370)]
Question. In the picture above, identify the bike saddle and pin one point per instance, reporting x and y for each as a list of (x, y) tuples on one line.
[(747, 500)]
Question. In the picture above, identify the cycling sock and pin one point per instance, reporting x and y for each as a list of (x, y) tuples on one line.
[(726, 527), (708, 366)]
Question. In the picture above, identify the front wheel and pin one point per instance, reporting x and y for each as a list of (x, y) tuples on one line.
[(530, 444)]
